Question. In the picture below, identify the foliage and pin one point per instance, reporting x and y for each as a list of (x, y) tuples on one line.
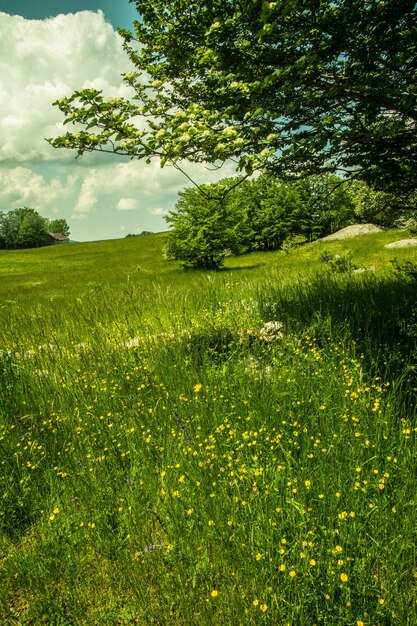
[(259, 214), (59, 226), (206, 227), (311, 208), (407, 222), (338, 263), (143, 232), (407, 270), (380, 207), (25, 228), (286, 86)]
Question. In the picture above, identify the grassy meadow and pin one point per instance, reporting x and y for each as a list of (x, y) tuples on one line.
[(192, 448)]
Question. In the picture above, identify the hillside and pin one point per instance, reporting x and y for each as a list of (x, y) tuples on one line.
[(189, 447), (32, 276)]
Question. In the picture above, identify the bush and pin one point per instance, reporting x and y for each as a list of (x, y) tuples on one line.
[(338, 263)]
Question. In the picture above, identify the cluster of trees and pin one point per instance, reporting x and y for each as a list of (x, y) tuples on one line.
[(289, 88), (143, 232), (236, 216), (25, 228)]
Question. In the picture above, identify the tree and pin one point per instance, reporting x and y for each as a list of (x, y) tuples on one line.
[(205, 229), (259, 214), (289, 86), (328, 205), (59, 226), (379, 207), (275, 210), (23, 228)]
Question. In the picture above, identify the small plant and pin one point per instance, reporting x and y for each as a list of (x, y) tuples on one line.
[(326, 256), (407, 222), (338, 263), (293, 241), (406, 271)]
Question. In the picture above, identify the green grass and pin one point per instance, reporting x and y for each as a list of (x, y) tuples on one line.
[(168, 458)]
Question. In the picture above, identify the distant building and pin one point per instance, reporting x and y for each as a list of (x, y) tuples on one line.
[(55, 238)]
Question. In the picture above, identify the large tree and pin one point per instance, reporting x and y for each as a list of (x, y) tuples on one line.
[(59, 225), (291, 86), (23, 228), (205, 229)]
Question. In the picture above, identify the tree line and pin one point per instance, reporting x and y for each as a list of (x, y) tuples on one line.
[(25, 228), (290, 89), (236, 215)]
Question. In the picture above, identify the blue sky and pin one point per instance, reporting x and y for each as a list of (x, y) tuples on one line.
[(120, 13), (48, 50)]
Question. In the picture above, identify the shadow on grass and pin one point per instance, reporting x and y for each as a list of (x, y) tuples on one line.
[(220, 270), (240, 267), (378, 315)]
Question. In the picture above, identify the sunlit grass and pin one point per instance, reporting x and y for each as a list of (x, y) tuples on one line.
[(197, 448)]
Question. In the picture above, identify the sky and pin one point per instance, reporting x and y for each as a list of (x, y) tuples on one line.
[(48, 50)]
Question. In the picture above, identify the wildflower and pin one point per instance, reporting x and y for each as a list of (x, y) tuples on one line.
[(263, 607), (313, 563), (197, 387), (271, 331), (292, 574), (255, 602), (282, 567), (344, 577), (214, 593), (258, 557)]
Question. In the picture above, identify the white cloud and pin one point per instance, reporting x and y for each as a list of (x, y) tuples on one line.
[(46, 60), (129, 185), (158, 211), (126, 204), (99, 194), (23, 187)]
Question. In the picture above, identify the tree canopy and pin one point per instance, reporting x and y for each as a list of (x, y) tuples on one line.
[(205, 229), (264, 213), (291, 87), (25, 228), (59, 225)]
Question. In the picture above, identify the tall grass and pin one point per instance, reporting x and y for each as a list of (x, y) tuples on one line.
[(169, 457)]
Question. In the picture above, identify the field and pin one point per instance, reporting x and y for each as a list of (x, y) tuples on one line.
[(192, 448)]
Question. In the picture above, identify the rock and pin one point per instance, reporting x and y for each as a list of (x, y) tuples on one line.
[(403, 243), (361, 270), (353, 231)]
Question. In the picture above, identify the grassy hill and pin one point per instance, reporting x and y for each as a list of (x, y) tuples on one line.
[(188, 447)]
